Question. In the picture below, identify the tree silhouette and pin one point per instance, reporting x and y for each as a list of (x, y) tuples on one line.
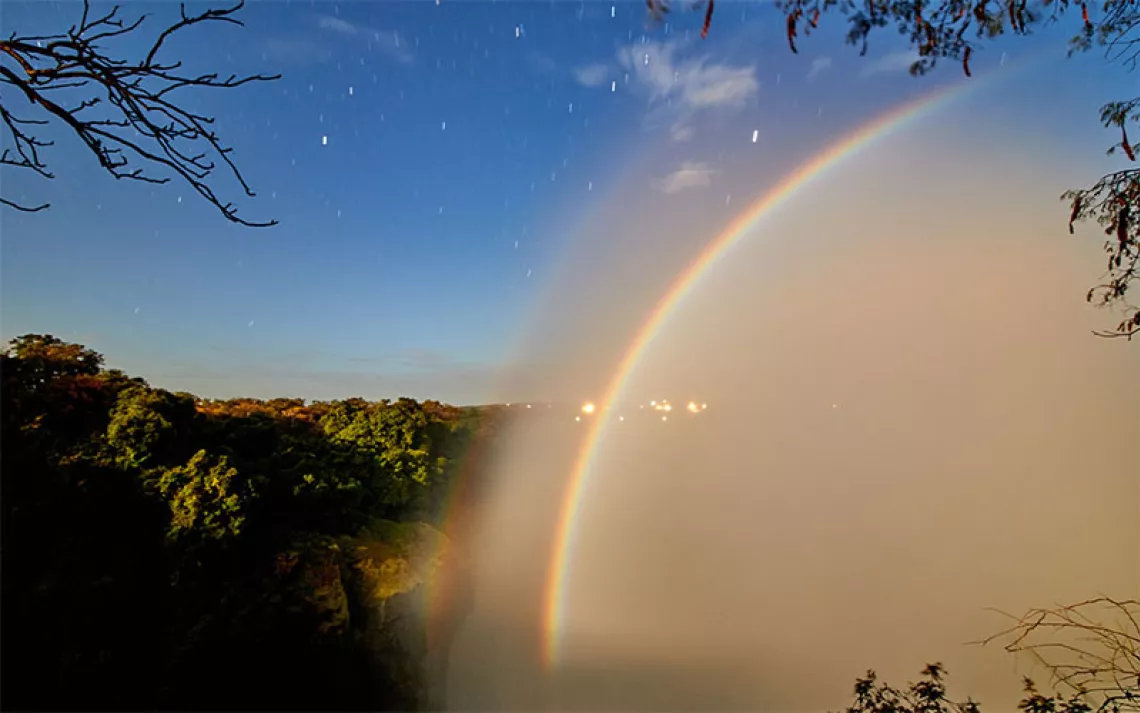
[(955, 30), (127, 113)]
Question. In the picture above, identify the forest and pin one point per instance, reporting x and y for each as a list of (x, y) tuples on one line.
[(165, 551)]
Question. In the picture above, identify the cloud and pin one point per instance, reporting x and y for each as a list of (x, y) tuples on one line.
[(416, 373), (691, 174), (818, 66), (543, 63), (895, 62), (337, 25), (681, 132), (695, 84), (387, 41), (592, 75)]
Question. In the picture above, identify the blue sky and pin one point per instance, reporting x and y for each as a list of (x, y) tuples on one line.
[(432, 168)]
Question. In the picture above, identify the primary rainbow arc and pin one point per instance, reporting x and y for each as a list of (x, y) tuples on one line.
[(555, 595)]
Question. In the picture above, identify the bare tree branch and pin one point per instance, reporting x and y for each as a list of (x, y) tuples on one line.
[(1091, 647), (143, 128)]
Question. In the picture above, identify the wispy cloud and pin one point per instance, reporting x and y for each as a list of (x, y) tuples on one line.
[(818, 66), (893, 63), (544, 63), (592, 75), (336, 24), (687, 85), (387, 41), (691, 174), (681, 131), (416, 360), (695, 83)]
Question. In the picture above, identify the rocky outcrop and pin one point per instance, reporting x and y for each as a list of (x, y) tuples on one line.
[(396, 593)]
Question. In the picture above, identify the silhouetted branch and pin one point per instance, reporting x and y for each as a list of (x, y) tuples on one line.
[(1094, 658), (143, 122)]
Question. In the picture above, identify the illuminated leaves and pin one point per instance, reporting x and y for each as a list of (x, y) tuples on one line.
[(207, 502)]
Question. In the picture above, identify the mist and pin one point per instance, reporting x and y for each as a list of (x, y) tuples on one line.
[(909, 423)]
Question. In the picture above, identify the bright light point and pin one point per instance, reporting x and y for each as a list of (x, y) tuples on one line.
[(704, 406), (834, 405), (664, 418), (443, 126), (587, 408), (324, 141), (613, 10), (668, 407), (577, 418), (693, 407), (620, 418), (652, 403), (755, 135), (350, 91), (528, 405), (613, 86)]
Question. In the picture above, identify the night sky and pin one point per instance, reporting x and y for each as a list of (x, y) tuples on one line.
[(434, 168)]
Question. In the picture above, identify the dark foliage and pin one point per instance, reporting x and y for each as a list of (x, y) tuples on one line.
[(167, 552)]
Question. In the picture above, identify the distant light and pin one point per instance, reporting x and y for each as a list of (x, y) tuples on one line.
[(668, 407), (664, 418), (528, 405), (704, 406), (577, 418), (693, 408), (621, 418), (588, 408), (755, 135), (324, 141), (652, 403), (834, 405)]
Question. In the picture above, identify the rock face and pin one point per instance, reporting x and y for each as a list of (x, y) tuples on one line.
[(395, 593)]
